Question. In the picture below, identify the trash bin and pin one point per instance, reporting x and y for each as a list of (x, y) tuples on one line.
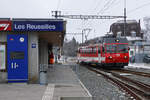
[(43, 77), (43, 74)]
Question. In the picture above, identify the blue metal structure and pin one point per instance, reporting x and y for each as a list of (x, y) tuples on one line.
[(17, 57)]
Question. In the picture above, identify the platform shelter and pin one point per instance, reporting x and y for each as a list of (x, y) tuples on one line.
[(24, 46)]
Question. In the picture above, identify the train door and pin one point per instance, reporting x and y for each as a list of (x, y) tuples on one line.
[(17, 58), (99, 54), (102, 53)]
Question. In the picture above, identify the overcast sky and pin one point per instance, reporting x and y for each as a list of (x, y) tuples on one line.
[(136, 9)]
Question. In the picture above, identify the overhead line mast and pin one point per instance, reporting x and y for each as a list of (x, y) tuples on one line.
[(57, 14)]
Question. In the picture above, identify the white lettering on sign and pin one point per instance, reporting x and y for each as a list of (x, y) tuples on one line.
[(5, 26), (45, 26), (14, 65), (19, 27)]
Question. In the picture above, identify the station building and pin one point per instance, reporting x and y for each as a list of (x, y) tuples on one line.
[(24, 46)]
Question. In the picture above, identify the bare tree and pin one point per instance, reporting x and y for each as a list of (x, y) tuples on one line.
[(70, 48)]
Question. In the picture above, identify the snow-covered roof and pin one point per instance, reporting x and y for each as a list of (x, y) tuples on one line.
[(129, 38), (127, 21)]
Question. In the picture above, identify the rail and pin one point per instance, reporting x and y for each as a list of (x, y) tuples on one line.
[(134, 92)]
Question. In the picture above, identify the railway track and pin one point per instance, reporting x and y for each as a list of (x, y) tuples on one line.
[(133, 72), (137, 90)]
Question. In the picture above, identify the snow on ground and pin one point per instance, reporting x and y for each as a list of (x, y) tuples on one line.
[(138, 65)]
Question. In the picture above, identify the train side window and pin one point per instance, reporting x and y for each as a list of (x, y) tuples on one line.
[(84, 50), (99, 51), (81, 51), (91, 51), (88, 51), (94, 50), (103, 50)]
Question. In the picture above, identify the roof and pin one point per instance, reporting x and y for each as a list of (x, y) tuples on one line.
[(127, 21), (35, 19), (50, 30)]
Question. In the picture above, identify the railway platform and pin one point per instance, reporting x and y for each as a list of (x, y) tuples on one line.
[(63, 84)]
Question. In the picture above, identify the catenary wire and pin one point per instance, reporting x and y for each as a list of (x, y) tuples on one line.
[(137, 8), (58, 4)]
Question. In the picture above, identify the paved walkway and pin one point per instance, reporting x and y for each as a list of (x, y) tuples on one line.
[(21, 91), (61, 74)]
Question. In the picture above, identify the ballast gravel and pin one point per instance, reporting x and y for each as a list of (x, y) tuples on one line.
[(99, 87)]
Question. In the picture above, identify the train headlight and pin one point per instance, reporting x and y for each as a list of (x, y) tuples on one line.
[(110, 57), (117, 40), (125, 57)]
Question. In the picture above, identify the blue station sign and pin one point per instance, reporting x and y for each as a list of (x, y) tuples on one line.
[(38, 26)]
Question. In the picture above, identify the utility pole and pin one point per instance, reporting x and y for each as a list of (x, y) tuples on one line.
[(56, 14), (82, 36), (88, 31), (125, 18)]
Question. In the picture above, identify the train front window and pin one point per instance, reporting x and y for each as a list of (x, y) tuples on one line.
[(117, 48), (122, 48), (111, 48)]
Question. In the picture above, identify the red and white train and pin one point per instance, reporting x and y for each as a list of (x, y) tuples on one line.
[(109, 52)]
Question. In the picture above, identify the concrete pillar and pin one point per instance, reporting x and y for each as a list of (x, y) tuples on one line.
[(3, 37), (43, 50), (43, 59), (33, 57), (3, 74)]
